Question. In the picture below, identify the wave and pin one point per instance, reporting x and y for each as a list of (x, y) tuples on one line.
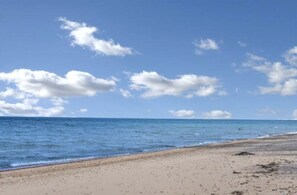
[(264, 136), (273, 135), (197, 144), (48, 162), (292, 133)]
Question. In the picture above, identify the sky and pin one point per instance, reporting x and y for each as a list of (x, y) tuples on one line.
[(206, 59)]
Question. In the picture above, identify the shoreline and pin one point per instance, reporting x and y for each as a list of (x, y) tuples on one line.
[(133, 156), (250, 166), (97, 161), (153, 151)]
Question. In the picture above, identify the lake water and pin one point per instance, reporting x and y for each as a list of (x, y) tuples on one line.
[(26, 141)]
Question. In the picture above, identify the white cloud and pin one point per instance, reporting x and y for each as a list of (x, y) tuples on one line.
[(278, 72), (205, 45), (49, 85), (294, 115), (287, 88), (241, 44), (83, 110), (31, 86), (291, 56), (217, 114), (125, 93), (183, 113), (58, 101), (282, 78), (83, 35), (9, 92), (27, 108), (155, 85)]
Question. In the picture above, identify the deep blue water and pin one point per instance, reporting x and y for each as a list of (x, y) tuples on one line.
[(35, 141)]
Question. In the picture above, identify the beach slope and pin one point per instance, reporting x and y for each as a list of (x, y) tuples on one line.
[(259, 166)]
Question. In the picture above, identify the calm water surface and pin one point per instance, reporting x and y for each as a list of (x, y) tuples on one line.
[(36, 141)]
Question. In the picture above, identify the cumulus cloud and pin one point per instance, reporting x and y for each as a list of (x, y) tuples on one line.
[(58, 101), (183, 113), (155, 85), (281, 77), (205, 45), (49, 85), (125, 93), (31, 86), (294, 115), (275, 72), (9, 92), (217, 114), (287, 88), (291, 56), (83, 35), (27, 108)]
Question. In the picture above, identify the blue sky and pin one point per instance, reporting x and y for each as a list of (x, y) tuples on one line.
[(149, 59)]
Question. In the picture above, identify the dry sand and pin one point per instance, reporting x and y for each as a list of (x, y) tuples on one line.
[(260, 166)]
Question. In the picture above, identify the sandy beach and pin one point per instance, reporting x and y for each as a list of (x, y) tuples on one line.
[(259, 166)]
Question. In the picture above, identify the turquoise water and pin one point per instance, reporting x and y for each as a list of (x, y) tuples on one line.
[(37, 141)]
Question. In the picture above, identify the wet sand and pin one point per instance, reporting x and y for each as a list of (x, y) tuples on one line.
[(259, 166)]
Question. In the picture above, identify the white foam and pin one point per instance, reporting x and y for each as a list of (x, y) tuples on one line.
[(292, 133), (264, 136), (24, 164), (198, 144), (272, 135)]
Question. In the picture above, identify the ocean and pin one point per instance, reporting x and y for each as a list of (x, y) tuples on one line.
[(29, 141)]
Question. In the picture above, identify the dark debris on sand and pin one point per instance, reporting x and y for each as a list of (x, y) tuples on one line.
[(244, 153), (237, 192), (236, 172), (269, 168)]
